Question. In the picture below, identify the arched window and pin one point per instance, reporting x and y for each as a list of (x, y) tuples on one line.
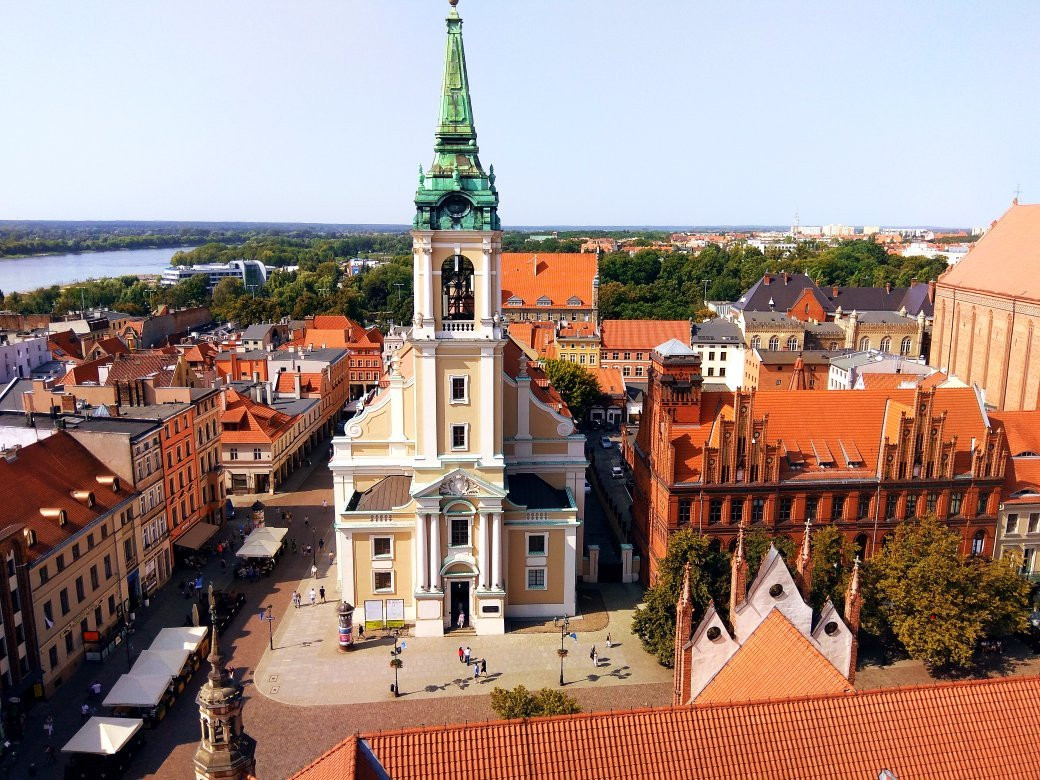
[(978, 542), (774, 343), (864, 344), (886, 344), (792, 344), (861, 543), (833, 345), (756, 342), (904, 348), (457, 289)]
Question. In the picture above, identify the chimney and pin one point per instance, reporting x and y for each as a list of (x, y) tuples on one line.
[(766, 280), (267, 390), (834, 291), (931, 291), (888, 287), (296, 386), (786, 277), (913, 283), (534, 264)]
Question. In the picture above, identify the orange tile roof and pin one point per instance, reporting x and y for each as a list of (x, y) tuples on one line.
[(540, 385), (1006, 260), (573, 330), (44, 476), (255, 422), (1021, 430), (138, 365), (112, 345), (889, 381), (610, 380), (642, 334), (1022, 474), (309, 382), (64, 344), (775, 662), (973, 730), (559, 277), (85, 372), (538, 336)]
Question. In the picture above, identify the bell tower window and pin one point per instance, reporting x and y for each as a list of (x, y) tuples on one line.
[(457, 289)]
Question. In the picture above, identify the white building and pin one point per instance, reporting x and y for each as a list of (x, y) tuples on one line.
[(720, 344), (252, 273), (846, 372), (20, 353)]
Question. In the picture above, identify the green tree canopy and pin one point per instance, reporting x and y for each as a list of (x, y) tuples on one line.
[(937, 603), (522, 703), (576, 384)]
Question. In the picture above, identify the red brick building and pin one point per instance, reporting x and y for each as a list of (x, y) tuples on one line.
[(769, 460)]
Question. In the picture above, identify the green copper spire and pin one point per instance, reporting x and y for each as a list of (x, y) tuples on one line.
[(456, 194)]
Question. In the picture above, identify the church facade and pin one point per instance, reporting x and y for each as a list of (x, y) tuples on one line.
[(459, 487)]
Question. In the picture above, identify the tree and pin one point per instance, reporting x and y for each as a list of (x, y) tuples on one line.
[(226, 291), (833, 555), (522, 703), (654, 621), (937, 603), (577, 386)]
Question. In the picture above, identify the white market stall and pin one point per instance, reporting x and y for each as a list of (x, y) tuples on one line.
[(190, 638), (176, 663), (142, 691), (259, 548), (103, 747)]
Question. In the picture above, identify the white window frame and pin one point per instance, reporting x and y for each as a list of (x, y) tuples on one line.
[(545, 578), (389, 573), (527, 545), (465, 388), (378, 557), (468, 520), (451, 434)]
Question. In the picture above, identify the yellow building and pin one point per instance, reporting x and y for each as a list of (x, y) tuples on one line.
[(459, 488)]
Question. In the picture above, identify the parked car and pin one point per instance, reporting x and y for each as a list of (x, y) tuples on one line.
[(605, 442), (617, 472)]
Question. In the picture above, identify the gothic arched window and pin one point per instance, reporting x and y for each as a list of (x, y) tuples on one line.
[(457, 289), (864, 344), (904, 348), (886, 344), (774, 343), (756, 342), (792, 343)]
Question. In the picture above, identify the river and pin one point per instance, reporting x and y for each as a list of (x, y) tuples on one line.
[(28, 273)]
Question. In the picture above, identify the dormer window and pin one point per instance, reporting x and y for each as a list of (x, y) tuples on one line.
[(544, 301), (515, 301), (574, 300)]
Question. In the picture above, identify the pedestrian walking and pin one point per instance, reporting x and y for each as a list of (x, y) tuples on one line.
[(332, 556), (462, 619), (48, 725), (306, 521), (295, 599), (594, 657), (609, 644), (85, 711), (321, 593), (361, 630), (321, 544), (95, 688), (324, 505), (31, 771), (462, 654), (314, 571), (230, 671), (476, 671), (313, 596), (467, 655), (483, 667)]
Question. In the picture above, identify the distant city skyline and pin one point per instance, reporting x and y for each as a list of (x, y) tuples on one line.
[(593, 112)]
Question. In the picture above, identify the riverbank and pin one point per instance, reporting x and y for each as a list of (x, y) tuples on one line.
[(33, 272)]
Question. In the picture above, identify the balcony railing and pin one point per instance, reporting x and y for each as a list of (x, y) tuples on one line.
[(459, 329)]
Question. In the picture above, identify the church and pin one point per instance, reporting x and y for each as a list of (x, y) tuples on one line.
[(459, 487)]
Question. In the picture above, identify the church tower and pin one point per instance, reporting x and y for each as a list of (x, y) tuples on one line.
[(459, 485), (226, 752)]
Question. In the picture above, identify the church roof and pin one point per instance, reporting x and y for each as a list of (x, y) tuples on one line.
[(1005, 261), (387, 493), (956, 731), (776, 662)]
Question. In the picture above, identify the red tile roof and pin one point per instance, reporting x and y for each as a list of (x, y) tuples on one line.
[(540, 385), (64, 344), (538, 336), (975, 730), (254, 422), (775, 662), (642, 334), (1021, 429), (1005, 261), (85, 372), (610, 381), (310, 383), (139, 365), (558, 277), (44, 475), (112, 345)]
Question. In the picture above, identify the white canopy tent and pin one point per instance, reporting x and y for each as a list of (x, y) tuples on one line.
[(267, 532), (259, 548), (103, 736), (160, 662), (185, 638), (133, 690)]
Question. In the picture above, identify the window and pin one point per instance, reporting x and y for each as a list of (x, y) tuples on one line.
[(458, 436), (536, 579), (774, 343), (983, 502), (383, 581), (626, 371), (108, 567), (94, 582), (812, 503), (978, 543), (904, 347), (714, 511), (838, 508), (756, 342), (90, 541), (457, 286), (956, 500), (1034, 522), (785, 509), (460, 532), (684, 512), (48, 613), (931, 503), (75, 551), (80, 591), (639, 356), (459, 388), (891, 506), (758, 510), (111, 605), (256, 454), (233, 453), (792, 344), (63, 600), (722, 371), (614, 355), (736, 510), (711, 371), (382, 547), (886, 344), (52, 656), (1012, 524), (537, 544), (863, 510), (70, 644), (628, 356), (60, 562), (44, 574)]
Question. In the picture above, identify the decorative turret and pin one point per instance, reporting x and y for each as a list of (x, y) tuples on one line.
[(804, 565), (683, 629), (455, 193), (738, 576), (226, 752), (853, 604)]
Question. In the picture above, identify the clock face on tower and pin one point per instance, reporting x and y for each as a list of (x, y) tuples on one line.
[(456, 206)]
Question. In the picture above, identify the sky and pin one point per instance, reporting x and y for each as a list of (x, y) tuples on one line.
[(594, 112)]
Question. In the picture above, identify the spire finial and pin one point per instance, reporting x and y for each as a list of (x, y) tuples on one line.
[(854, 582), (684, 595), (739, 552)]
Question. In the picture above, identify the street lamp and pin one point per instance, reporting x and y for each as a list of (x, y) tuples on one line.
[(314, 552), (395, 663), (269, 617), (563, 624)]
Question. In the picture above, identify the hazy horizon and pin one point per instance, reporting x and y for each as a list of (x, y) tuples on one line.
[(594, 112)]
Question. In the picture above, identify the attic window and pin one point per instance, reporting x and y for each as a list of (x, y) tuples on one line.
[(85, 497), (1026, 454), (714, 633), (30, 537), (515, 301), (574, 300), (544, 301), (776, 590), (831, 628), (55, 514)]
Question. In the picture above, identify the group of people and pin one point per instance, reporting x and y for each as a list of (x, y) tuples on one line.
[(297, 598), (479, 667)]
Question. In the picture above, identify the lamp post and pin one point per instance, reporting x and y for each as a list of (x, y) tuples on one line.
[(563, 624), (395, 664), (269, 617), (314, 552)]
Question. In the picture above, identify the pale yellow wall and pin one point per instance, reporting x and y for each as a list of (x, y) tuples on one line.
[(543, 424), (402, 566), (509, 408), (547, 448), (517, 568), (376, 424)]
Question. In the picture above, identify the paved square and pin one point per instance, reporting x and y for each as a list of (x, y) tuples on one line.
[(307, 667)]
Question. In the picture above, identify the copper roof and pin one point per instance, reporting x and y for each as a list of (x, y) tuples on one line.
[(975, 730)]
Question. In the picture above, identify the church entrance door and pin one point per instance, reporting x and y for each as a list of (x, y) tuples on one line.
[(460, 604)]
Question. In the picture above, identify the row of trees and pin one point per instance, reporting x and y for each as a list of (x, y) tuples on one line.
[(290, 250), (921, 595)]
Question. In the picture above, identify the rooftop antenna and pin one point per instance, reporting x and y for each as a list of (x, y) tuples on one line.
[(1018, 192)]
